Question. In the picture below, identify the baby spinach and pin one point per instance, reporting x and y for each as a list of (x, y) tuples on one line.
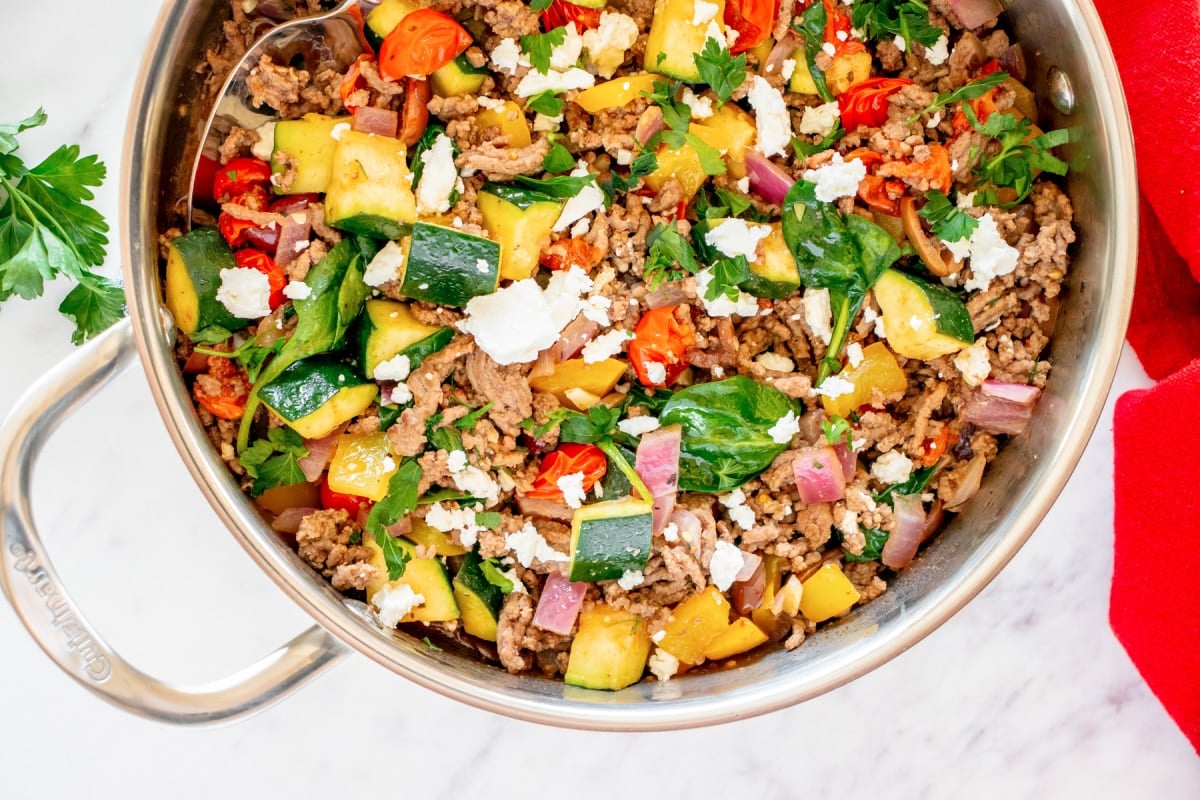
[(874, 540), (811, 28), (726, 431), (915, 484), (845, 255)]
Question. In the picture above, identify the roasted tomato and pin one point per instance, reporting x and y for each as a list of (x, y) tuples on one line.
[(658, 352), (571, 252), (425, 41), (568, 459), (223, 390), (276, 277), (239, 176)]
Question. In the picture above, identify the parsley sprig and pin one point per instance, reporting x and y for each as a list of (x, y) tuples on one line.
[(401, 499), (545, 103), (836, 429), (670, 257), (274, 461), (803, 149), (908, 19), (540, 47), (971, 91), (949, 222), (677, 117), (1013, 166), (722, 71), (559, 159), (47, 229)]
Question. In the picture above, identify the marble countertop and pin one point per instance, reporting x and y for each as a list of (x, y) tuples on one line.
[(1024, 693)]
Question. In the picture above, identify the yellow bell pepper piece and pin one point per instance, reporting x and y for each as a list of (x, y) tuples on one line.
[(429, 536), (732, 131), (615, 93), (764, 615), (683, 165), (739, 637), (298, 495), (362, 465), (510, 120), (595, 379), (827, 593), (846, 70), (609, 651), (878, 372), (694, 624)]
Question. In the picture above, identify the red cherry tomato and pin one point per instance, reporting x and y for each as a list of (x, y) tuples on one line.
[(224, 390), (239, 176), (838, 21), (561, 13), (425, 41), (276, 277), (570, 252), (660, 339), (866, 102), (414, 117), (354, 81), (350, 503), (568, 459), (752, 19)]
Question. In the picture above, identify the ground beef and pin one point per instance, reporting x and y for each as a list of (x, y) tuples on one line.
[(290, 91), (237, 143), (500, 162), (324, 540), (407, 435), (507, 388)]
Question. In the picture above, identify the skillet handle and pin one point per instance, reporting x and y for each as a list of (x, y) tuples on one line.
[(31, 585)]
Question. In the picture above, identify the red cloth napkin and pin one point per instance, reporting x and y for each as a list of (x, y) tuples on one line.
[(1154, 609)]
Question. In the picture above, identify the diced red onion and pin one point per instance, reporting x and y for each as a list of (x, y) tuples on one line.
[(544, 365), (320, 451), (996, 414), (663, 508), (293, 203), (848, 459), (908, 533), (819, 475), (289, 520), (973, 13), (782, 51), (549, 509), (293, 238), (264, 237), (669, 294), (747, 594), (578, 333), (196, 363), (559, 604), (648, 124), (380, 121), (1013, 62), (934, 519), (810, 425), (657, 461), (750, 563), (766, 178), (689, 525), (1021, 393)]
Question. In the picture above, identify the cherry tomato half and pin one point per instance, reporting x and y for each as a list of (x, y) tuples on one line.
[(660, 341), (239, 176), (414, 117), (568, 459), (353, 82), (752, 19), (276, 277), (866, 102), (425, 41), (350, 503), (570, 252), (837, 21), (561, 13)]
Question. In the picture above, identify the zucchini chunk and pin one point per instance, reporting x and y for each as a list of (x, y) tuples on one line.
[(315, 396), (922, 320), (389, 329), (609, 539), (521, 221), (385, 17), (773, 274), (478, 600), (675, 39), (426, 576), (305, 146), (457, 78), (447, 266), (194, 264), (610, 650), (370, 188)]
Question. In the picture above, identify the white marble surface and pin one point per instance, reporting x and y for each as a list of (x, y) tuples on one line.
[(1025, 693)]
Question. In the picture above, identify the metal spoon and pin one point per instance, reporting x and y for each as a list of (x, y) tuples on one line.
[(333, 40)]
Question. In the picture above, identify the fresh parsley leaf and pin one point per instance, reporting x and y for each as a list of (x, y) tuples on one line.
[(546, 103), (559, 159), (971, 91), (540, 46), (401, 499), (426, 639), (468, 422), (274, 461), (722, 71), (48, 229), (214, 334), (670, 257), (710, 157), (719, 203), (645, 163), (1013, 165), (727, 273), (561, 187), (949, 222), (915, 484), (493, 573), (539, 5), (872, 547), (676, 113), (908, 19), (803, 149), (837, 429), (488, 519)]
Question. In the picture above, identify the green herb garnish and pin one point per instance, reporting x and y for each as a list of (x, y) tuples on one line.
[(274, 461), (540, 46), (401, 499), (949, 222), (721, 70)]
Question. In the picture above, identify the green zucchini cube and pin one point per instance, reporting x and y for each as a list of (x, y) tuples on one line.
[(609, 539)]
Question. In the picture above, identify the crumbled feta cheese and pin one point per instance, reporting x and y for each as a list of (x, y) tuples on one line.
[(631, 579), (245, 292), (785, 428), (843, 35), (477, 483), (590, 198), (508, 56), (901, 45), (991, 256), (395, 602), (854, 354), (775, 362), (965, 200), (461, 520), (670, 532), (438, 178), (265, 145), (385, 266), (829, 49), (571, 486), (935, 120), (606, 44), (746, 305), (848, 524), (297, 290), (400, 395), (820, 120), (337, 130), (974, 364), (939, 51), (566, 55), (834, 386), (637, 426), (731, 37), (726, 563), (703, 11), (789, 68), (743, 185), (491, 103), (837, 179), (604, 346), (456, 461), (656, 373), (717, 371), (702, 107), (543, 315), (581, 228), (396, 368), (528, 545), (595, 308), (736, 237), (892, 467), (662, 664), (554, 81), (545, 124), (624, 157), (771, 116), (818, 313), (518, 586), (735, 498)]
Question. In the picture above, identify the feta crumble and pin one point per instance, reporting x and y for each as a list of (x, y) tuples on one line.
[(297, 290), (670, 532), (545, 124), (662, 664), (785, 428), (938, 52), (820, 120), (789, 68), (726, 563), (743, 185), (703, 11), (571, 486), (528, 545), (556, 81), (566, 55), (438, 178), (604, 346), (772, 119), (837, 179), (507, 57), (336, 131), (631, 579), (606, 44), (590, 198), (385, 266), (543, 315), (974, 364), (656, 373), (892, 467), (395, 602), (736, 237), (477, 483), (245, 292), (991, 256), (854, 354), (901, 45), (746, 304), (396, 368), (265, 145), (818, 313), (400, 395), (834, 386), (637, 426), (702, 107), (456, 461)]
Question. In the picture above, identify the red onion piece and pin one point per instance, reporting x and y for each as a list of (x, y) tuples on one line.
[(1013, 62), (663, 508), (908, 533), (934, 519), (578, 333), (973, 13), (689, 526), (810, 425), (559, 604), (290, 204), (1021, 393), (380, 121), (402, 528), (549, 509), (544, 364), (289, 520), (750, 564), (657, 461), (320, 451), (766, 178), (747, 594), (1000, 407), (649, 123), (293, 238), (669, 294), (264, 237), (848, 459), (819, 475)]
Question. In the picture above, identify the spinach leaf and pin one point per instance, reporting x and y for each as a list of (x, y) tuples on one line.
[(726, 431), (915, 484), (845, 255), (812, 29), (872, 549)]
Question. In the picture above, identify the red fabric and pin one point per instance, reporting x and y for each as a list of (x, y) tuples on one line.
[(1157, 549)]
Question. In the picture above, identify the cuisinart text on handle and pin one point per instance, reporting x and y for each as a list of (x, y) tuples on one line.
[(96, 665)]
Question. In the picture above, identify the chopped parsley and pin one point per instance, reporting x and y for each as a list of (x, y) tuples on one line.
[(468, 421), (670, 257), (559, 159), (540, 46), (836, 429), (560, 187), (488, 519), (971, 91), (401, 499), (803, 149), (545, 103), (949, 222), (493, 573), (1014, 165), (908, 19), (722, 71), (274, 461), (915, 484)]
